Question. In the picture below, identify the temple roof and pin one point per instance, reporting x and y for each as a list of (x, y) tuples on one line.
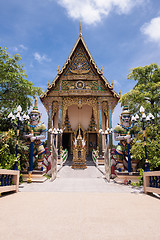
[(93, 67)]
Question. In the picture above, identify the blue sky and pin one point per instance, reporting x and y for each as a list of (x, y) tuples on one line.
[(120, 35)]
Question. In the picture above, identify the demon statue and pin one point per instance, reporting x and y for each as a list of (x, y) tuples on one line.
[(35, 131), (124, 133)]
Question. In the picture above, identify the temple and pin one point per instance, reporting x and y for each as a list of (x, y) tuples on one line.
[(80, 99)]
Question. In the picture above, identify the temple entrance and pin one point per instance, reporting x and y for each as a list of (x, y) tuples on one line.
[(92, 142), (66, 141)]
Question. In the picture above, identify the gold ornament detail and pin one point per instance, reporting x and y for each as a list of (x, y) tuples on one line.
[(112, 84), (58, 70), (80, 101), (105, 108), (48, 84), (80, 65), (101, 69), (79, 70), (54, 108)]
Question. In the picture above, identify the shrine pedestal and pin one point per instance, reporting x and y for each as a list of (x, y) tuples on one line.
[(79, 165), (79, 159)]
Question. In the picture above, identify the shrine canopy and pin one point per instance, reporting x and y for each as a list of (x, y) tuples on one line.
[(79, 77)]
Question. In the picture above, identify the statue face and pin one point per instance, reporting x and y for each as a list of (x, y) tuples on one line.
[(126, 119), (34, 118)]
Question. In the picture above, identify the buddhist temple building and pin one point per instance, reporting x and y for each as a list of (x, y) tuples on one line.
[(80, 99)]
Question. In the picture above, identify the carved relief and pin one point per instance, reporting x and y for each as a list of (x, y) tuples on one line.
[(68, 85), (80, 64), (80, 101), (105, 108), (79, 70), (54, 108), (80, 84)]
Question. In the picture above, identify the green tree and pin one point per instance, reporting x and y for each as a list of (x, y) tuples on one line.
[(8, 150), (153, 147), (145, 93), (15, 89)]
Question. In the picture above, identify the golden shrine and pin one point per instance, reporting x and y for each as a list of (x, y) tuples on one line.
[(80, 96), (79, 152)]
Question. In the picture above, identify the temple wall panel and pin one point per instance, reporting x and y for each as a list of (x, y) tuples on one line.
[(55, 120), (103, 121), (103, 127), (79, 115)]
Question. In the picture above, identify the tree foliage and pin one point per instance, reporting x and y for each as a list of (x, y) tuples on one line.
[(153, 147), (145, 93), (15, 89), (8, 150)]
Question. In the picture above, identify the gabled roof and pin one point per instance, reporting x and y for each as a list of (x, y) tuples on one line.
[(99, 72)]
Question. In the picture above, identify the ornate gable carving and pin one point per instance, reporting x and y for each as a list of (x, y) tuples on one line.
[(80, 65), (79, 76)]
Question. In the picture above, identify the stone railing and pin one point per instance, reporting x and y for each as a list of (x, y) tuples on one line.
[(62, 157), (151, 182), (9, 180), (94, 155), (96, 158)]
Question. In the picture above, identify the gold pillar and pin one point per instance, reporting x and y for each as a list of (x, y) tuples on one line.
[(59, 125), (110, 123), (100, 127), (49, 126)]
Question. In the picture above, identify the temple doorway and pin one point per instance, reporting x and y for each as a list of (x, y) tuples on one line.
[(66, 141), (92, 142)]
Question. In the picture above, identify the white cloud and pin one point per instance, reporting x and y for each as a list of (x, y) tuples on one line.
[(15, 49), (152, 29), (20, 48), (92, 11), (40, 58)]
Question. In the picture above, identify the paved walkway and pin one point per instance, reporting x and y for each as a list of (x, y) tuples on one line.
[(79, 180), (79, 206)]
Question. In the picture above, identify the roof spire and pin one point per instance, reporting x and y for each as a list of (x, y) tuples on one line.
[(80, 33)]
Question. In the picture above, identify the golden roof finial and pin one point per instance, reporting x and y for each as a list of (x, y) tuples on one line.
[(58, 70), (112, 84), (79, 133), (120, 93), (79, 128), (48, 84), (80, 33), (101, 69)]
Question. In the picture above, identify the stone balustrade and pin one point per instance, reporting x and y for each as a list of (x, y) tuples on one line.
[(9, 180), (151, 182)]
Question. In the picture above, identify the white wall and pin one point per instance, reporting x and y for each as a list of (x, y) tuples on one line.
[(82, 116)]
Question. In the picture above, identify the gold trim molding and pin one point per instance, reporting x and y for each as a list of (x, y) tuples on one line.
[(80, 101)]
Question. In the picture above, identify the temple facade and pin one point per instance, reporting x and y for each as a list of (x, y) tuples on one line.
[(80, 99)]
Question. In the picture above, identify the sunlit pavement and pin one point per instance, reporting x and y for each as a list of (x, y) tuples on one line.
[(79, 205), (78, 180)]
